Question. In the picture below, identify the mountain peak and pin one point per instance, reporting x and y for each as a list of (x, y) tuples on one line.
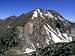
[(46, 26), (42, 13), (36, 13), (37, 29)]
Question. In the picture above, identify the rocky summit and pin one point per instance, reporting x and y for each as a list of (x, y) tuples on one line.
[(36, 29)]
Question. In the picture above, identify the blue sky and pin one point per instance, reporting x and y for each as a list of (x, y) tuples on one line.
[(16, 7)]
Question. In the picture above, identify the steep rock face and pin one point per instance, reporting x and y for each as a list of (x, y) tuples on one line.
[(43, 28)]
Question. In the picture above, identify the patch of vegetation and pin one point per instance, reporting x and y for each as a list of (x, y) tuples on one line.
[(8, 39)]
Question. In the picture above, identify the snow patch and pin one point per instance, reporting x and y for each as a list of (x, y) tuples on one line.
[(36, 13), (65, 35), (60, 18), (50, 15), (38, 10), (27, 50), (47, 41), (59, 33), (41, 15), (46, 14), (38, 45), (53, 36), (51, 28), (8, 26), (33, 45), (68, 38), (56, 18), (56, 37)]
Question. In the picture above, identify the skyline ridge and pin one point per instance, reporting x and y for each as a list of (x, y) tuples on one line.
[(17, 7)]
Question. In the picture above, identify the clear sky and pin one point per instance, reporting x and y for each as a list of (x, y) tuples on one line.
[(16, 7)]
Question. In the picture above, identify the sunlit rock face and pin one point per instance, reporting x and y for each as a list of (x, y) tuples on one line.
[(41, 28)]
